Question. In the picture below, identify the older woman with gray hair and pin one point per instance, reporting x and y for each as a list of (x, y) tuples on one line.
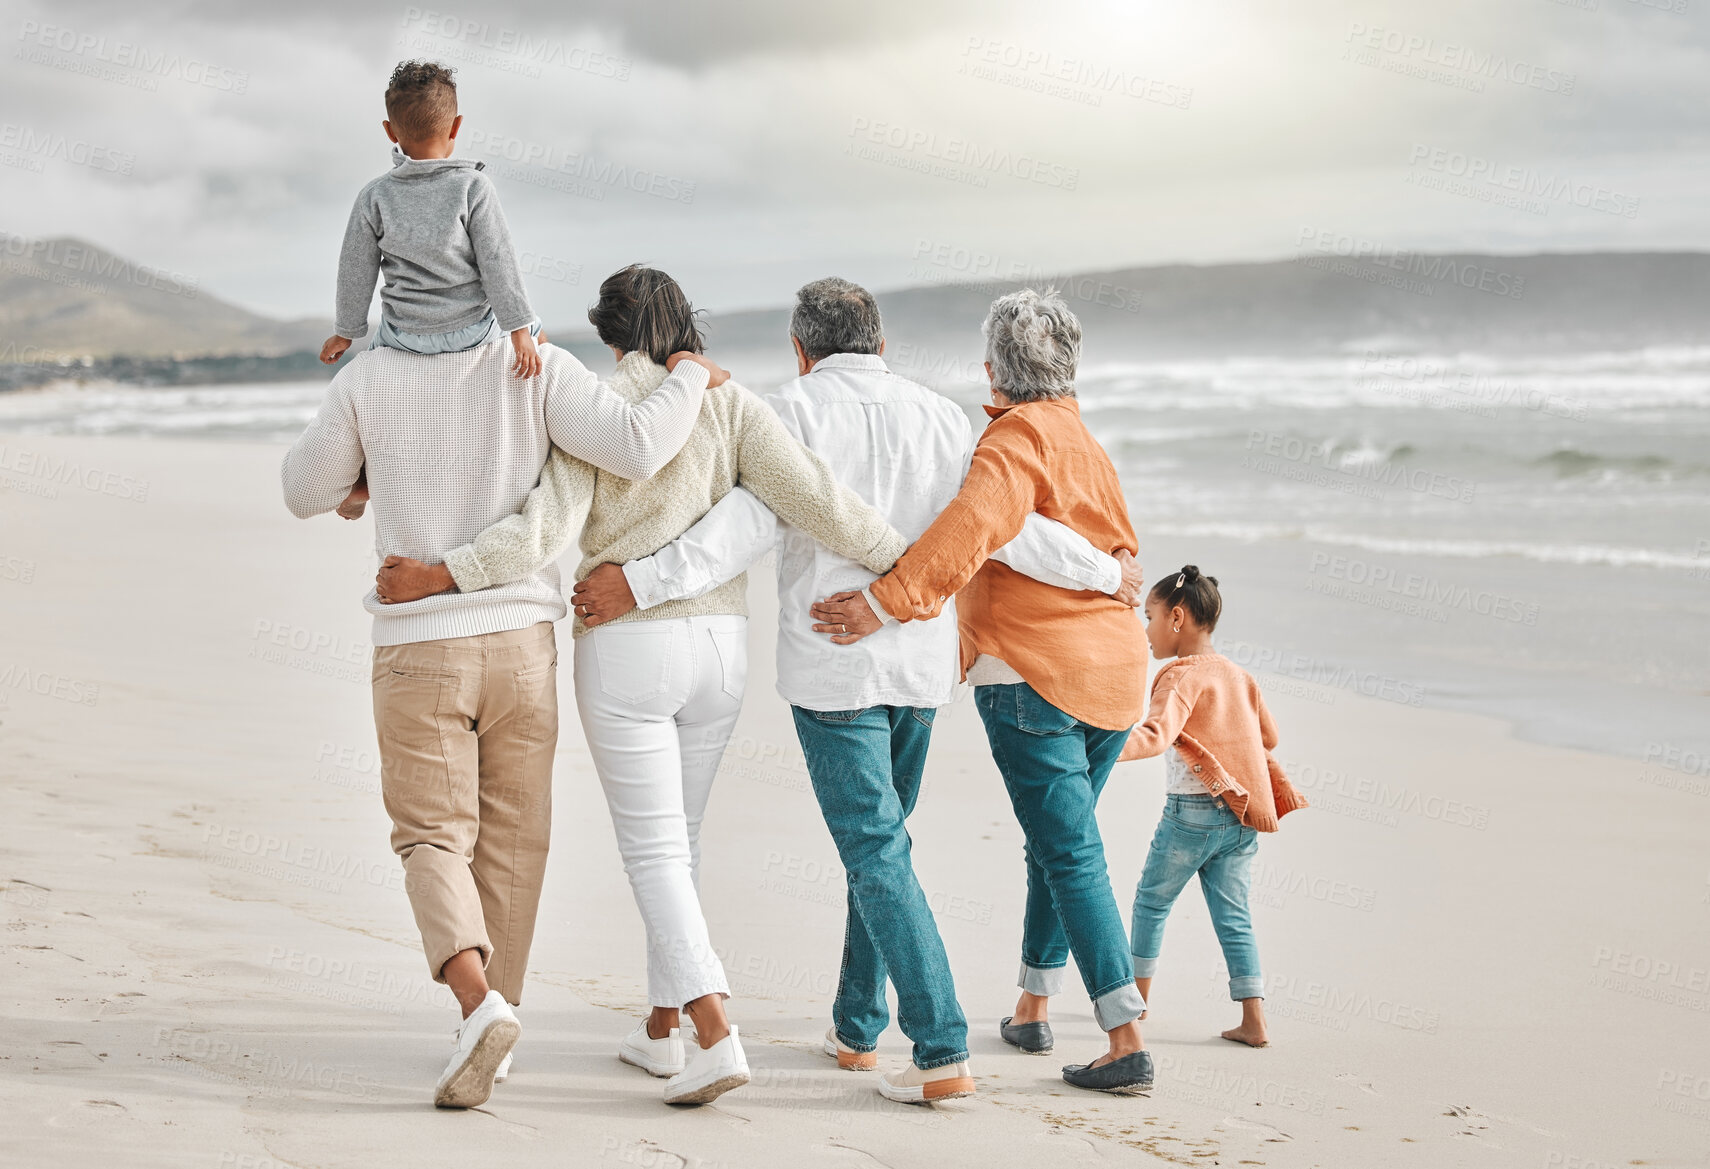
[(1059, 675)]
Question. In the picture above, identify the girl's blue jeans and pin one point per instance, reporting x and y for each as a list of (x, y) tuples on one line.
[(1199, 834)]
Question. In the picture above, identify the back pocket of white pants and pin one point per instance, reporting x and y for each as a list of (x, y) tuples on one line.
[(635, 661), (732, 646)]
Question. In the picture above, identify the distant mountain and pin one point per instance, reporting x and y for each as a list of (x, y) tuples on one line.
[(66, 299), (1315, 303)]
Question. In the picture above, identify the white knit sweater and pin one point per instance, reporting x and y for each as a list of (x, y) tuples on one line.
[(453, 443), (736, 439)]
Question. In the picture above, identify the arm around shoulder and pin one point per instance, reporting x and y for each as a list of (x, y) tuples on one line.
[(632, 440), (798, 486)]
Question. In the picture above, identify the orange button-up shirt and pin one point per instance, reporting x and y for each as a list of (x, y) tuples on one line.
[(1083, 651)]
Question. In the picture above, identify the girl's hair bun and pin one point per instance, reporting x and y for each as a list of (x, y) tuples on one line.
[(1194, 591)]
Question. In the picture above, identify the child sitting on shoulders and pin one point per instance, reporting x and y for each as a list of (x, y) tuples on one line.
[(1222, 788), (433, 229)]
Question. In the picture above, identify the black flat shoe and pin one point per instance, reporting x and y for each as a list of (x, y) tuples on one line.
[(1126, 1076), (1033, 1038)]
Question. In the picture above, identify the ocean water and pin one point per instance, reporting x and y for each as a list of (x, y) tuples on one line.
[(1527, 537), (1522, 536)]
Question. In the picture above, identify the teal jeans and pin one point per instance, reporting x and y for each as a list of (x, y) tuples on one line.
[(866, 767), (1055, 766)]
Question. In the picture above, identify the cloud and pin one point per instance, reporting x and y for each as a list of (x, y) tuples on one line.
[(690, 34), (750, 146)]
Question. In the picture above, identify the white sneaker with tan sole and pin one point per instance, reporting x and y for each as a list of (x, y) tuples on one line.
[(710, 1072), (847, 1057), (483, 1042), (915, 1085)]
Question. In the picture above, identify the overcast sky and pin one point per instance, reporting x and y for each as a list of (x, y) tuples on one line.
[(749, 146)]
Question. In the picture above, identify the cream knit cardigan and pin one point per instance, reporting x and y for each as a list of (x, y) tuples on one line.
[(737, 439)]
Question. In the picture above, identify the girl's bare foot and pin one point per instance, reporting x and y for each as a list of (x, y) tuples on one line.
[(1252, 1029)]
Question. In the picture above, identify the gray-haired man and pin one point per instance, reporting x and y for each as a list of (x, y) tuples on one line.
[(864, 712)]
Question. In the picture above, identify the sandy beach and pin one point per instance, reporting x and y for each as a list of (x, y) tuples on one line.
[(1479, 951)]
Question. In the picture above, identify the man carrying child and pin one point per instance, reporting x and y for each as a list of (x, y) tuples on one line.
[(465, 685)]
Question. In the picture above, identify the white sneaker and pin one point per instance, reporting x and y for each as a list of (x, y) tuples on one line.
[(504, 1071), (656, 1057), (912, 1085), (711, 1072), (847, 1057), (483, 1042)]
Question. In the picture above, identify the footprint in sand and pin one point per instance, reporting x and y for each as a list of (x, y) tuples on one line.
[(1363, 1085), (1476, 1123), (1261, 1130)]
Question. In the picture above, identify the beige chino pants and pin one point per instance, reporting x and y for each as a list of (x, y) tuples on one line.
[(468, 727)]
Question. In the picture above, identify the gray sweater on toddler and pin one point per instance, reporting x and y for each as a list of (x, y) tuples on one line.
[(434, 229)]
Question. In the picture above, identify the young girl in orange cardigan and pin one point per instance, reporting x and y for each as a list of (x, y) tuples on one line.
[(1222, 788)]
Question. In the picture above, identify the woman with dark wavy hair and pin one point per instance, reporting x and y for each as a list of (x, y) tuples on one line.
[(659, 689)]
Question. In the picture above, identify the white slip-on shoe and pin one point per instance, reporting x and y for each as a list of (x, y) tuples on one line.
[(915, 1085), (847, 1057), (656, 1057), (710, 1073), (483, 1042)]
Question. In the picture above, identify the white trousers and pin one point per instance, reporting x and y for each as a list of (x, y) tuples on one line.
[(659, 700)]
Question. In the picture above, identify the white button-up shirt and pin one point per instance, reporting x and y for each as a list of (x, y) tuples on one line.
[(905, 450)]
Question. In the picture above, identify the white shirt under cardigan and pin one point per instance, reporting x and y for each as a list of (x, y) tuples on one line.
[(453, 443), (905, 450)]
